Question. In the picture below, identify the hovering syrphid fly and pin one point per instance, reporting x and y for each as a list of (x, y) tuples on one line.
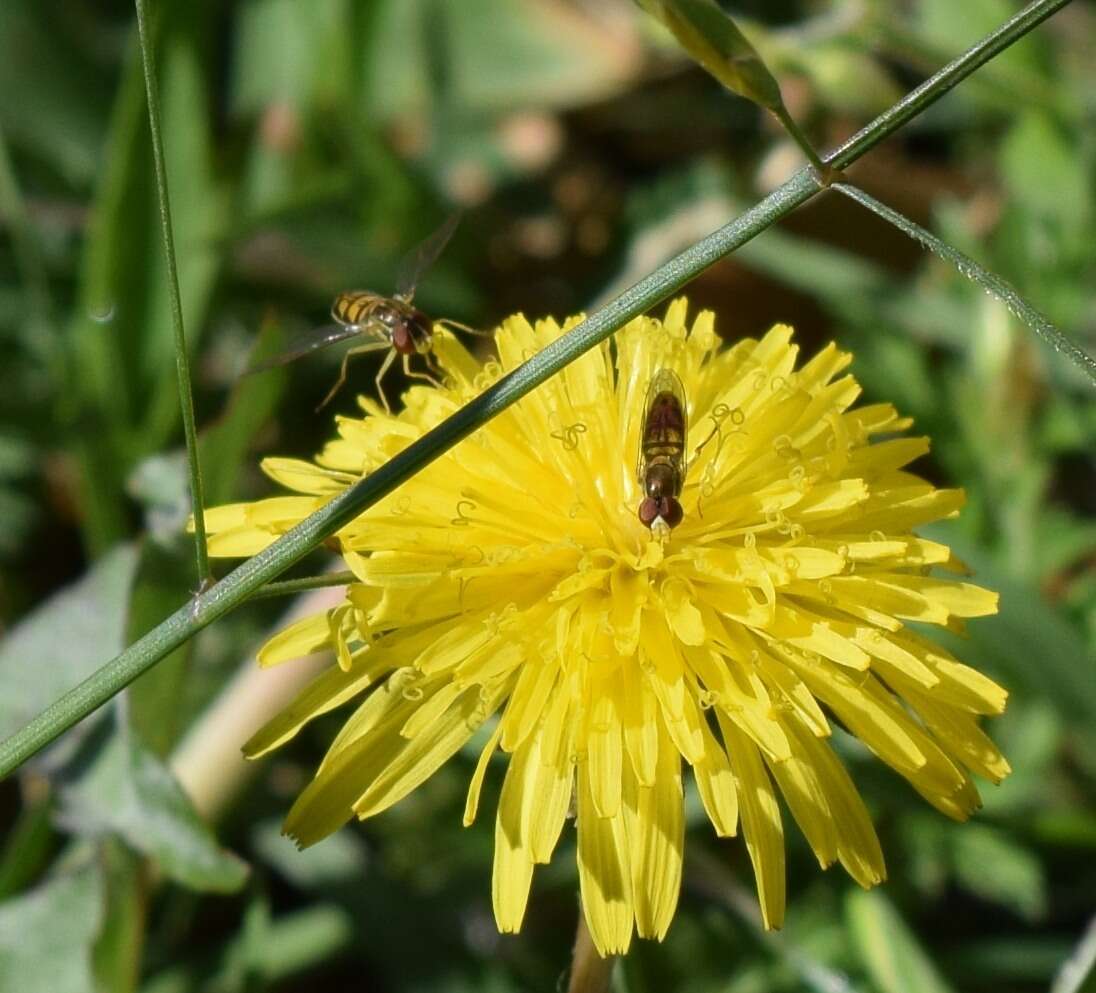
[(392, 323), (661, 470)]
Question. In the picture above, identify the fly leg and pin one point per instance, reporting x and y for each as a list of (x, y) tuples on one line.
[(424, 376), (373, 346), (385, 366), (447, 322), (435, 369)]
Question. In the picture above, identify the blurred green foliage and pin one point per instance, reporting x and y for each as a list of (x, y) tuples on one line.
[(308, 145)]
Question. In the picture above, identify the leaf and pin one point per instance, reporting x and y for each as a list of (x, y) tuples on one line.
[(546, 54), (888, 949), (339, 859), (65, 640), (922, 838), (286, 945), (395, 76), (712, 38), (1025, 628), (124, 789), (993, 866), (1030, 733), (1062, 540), (62, 102), (1042, 169), (305, 938), (242, 966), (46, 934), (550, 54), (290, 54)]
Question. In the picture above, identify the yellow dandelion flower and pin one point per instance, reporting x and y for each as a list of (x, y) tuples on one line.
[(511, 587)]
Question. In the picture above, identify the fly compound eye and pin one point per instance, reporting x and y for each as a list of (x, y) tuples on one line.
[(670, 511), (403, 340), (648, 511)]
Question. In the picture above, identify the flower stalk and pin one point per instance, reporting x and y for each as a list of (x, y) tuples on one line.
[(590, 973)]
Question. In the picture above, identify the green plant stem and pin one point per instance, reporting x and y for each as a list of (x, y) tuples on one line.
[(940, 82), (1002, 84), (182, 356), (305, 584), (989, 281), (247, 578), (795, 132)]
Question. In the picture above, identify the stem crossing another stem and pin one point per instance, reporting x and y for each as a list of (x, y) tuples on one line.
[(249, 577)]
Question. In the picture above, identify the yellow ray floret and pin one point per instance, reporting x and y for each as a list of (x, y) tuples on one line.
[(510, 591)]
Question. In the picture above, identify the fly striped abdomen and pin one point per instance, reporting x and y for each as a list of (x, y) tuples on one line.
[(355, 307), (662, 451)]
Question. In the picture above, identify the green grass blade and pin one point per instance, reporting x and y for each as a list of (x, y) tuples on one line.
[(989, 281), (182, 357), (247, 578)]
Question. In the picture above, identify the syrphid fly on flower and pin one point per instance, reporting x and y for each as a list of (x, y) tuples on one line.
[(382, 323), (661, 470)]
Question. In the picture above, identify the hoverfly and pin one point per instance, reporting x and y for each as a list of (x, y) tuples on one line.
[(661, 470), (382, 323)]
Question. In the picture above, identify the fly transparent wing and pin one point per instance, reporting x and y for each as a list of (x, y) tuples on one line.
[(423, 256), (311, 340), (663, 381), (667, 381)]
